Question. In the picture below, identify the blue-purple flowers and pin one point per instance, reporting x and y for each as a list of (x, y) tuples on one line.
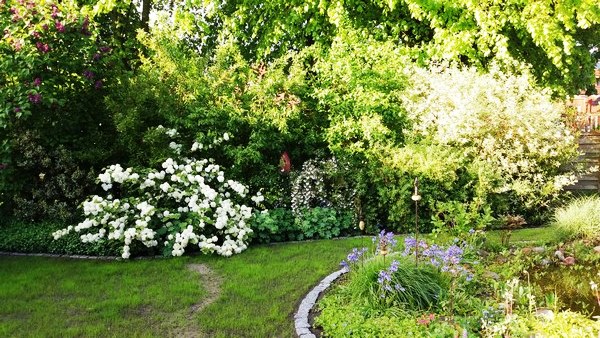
[(385, 241), (447, 260), (353, 257), (385, 280)]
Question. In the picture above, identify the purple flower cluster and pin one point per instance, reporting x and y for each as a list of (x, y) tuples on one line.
[(384, 280), (42, 47), (35, 98), (410, 244), (88, 74), (85, 27), (59, 26), (55, 11), (385, 240), (447, 260), (353, 257)]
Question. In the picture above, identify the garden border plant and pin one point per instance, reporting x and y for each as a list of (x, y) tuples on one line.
[(182, 203)]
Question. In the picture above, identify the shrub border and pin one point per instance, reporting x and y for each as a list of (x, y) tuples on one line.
[(303, 327), (100, 258)]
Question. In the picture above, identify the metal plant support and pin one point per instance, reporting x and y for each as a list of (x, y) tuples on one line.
[(416, 197)]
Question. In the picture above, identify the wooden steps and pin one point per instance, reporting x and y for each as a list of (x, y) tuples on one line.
[(589, 145)]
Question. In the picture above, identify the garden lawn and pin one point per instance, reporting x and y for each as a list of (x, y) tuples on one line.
[(45, 297)]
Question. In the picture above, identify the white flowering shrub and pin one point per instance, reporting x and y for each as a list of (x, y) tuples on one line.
[(186, 201), (514, 133), (322, 183)]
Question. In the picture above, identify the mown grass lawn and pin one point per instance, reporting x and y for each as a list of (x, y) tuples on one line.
[(49, 297), (260, 290)]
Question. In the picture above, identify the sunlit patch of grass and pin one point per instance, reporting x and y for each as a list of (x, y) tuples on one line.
[(152, 298), (64, 297)]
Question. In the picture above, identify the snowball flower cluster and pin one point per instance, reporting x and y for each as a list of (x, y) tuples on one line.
[(185, 201)]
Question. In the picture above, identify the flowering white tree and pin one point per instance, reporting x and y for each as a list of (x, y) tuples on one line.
[(185, 201), (513, 129)]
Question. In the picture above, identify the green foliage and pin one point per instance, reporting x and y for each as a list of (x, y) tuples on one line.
[(51, 181), (457, 219), (57, 61), (579, 219), (262, 107), (324, 223), (278, 225), (424, 288), (29, 237), (554, 39), (341, 319), (564, 324), (357, 307)]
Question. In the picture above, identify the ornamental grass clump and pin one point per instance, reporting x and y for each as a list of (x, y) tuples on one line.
[(186, 201), (579, 219), (409, 286)]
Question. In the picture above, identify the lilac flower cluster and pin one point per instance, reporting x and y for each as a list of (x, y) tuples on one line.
[(410, 244), (385, 280), (447, 260), (385, 240), (353, 257), (35, 98)]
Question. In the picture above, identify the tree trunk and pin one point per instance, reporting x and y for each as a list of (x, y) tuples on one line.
[(146, 14)]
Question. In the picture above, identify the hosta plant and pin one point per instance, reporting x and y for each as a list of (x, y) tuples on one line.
[(186, 201)]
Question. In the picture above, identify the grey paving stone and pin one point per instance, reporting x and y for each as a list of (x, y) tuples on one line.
[(303, 331), (301, 317), (302, 323), (310, 335)]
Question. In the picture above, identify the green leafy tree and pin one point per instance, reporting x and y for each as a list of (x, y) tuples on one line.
[(554, 38), (57, 61)]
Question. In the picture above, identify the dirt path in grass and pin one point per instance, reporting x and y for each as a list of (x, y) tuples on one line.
[(211, 282)]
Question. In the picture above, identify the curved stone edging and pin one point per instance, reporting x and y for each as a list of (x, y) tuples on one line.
[(301, 316)]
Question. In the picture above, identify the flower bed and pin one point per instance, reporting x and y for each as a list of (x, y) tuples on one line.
[(454, 289)]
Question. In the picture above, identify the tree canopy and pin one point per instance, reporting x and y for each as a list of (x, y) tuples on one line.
[(557, 39)]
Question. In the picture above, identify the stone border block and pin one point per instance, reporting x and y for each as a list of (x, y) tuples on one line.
[(303, 328)]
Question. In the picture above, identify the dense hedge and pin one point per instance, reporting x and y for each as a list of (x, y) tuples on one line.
[(25, 237)]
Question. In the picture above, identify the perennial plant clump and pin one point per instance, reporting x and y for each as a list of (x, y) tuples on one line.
[(321, 183), (579, 219), (186, 201)]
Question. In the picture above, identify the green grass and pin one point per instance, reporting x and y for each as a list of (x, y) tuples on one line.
[(43, 297), (534, 236)]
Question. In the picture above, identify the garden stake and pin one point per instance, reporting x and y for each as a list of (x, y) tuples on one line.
[(361, 226), (416, 197)]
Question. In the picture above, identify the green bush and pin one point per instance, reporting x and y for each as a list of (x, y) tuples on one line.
[(579, 219), (26, 237), (279, 225)]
